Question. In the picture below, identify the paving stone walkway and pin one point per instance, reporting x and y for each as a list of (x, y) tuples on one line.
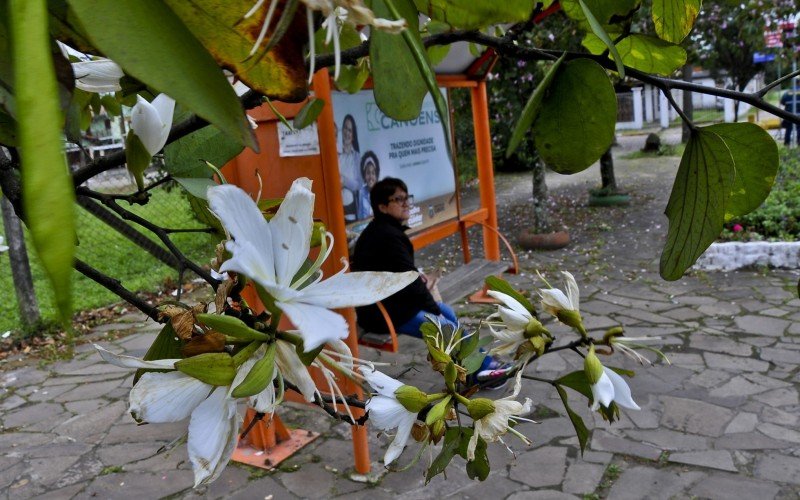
[(720, 422)]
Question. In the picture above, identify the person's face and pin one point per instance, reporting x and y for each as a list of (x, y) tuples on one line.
[(370, 174), (347, 133), (398, 206)]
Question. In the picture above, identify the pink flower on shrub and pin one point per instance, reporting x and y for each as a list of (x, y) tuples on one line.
[(737, 228)]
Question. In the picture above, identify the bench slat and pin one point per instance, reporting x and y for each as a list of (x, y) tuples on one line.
[(468, 278)]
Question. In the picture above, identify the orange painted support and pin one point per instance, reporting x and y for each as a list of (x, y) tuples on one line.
[(336, 225), (269, 442), (483, 153)]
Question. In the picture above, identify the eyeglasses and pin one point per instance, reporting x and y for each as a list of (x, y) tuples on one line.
[(402, 199)]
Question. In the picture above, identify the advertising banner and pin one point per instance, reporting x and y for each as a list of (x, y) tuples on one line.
[(372, 146)]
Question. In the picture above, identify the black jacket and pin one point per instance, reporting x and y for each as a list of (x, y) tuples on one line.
[(384, 246)]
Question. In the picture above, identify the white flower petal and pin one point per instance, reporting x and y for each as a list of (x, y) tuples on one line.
[(147, 125), (126, 361), (293, 370), (341, 347), (101, 75), (622, 393), (553, 298), (357, 288), (165, 106), (573, 294), (510, 302), (244, 221), (399, 442), (513, 319), (166, 397), (382, 383), (264, 401), (316, 325), (212, 436), (602, 392), (385, 412), (291, 231)]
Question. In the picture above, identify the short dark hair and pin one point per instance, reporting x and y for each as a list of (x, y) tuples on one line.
[(367, 156), (383, 190)]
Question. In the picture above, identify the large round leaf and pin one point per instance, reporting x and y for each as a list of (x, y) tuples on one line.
[(398, 88), (755, 156), (651, 54), (576, 122), (674, 19), (698, 202)]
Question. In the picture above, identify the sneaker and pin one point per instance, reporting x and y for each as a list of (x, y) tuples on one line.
[(494, 378)]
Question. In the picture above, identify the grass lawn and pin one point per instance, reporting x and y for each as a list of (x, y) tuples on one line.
[(103, 248)]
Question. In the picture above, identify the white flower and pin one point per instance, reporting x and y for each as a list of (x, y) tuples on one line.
[(564, 306), (612, 387), (151, 121), (606, 384), (494, 424), (629, 345), (99, 75), (272, 253), (515, 319), (3, 248), (386, 412), (173, 396)]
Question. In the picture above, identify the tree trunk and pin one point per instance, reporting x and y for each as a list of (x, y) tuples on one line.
[(607, 173), (20, 267), (541, 217), (688, 106)]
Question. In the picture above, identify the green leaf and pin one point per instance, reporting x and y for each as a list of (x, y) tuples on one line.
[(152, 44), (698, 202), (755, 156), (231, 326), (186, 157), (167, 345), (196, 186), (417, 50), (111, 105), (450, 445), (47, 192), (348, 38), (651, 54), (577, 381), (576, 123), (352, 78), (674, 19), (531, 109), (479, 467), (281, 73), (468, 345), (308, 113), (577, 422), (212, 368), (474, 14), (398, 88), (437, 53), (500, 285), (439, 410), (613, 15), (472, 362), (598, 30)]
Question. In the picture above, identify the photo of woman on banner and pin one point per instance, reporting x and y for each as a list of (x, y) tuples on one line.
[(350, 167), (370, 172)]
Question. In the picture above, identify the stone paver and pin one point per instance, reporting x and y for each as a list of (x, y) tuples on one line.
[(721, 422)]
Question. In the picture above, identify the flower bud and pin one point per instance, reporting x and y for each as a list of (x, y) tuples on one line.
[(480, 407), (612, 333), (571, 318), (592, 366), (437, 431), (450, 375), (411, 398), (534, 328)]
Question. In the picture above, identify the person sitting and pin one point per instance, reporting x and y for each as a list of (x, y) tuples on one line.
[(384, 246)]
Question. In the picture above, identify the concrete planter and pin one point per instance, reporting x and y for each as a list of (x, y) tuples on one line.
[(733, 255)]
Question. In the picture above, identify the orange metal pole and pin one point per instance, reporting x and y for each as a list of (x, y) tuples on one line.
[(336, 225), (483, 153)]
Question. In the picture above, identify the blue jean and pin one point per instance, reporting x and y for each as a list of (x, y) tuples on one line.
[(448, 317)]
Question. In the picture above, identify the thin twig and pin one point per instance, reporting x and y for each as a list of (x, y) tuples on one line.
[(114, 286)]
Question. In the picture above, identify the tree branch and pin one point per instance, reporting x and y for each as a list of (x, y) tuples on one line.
[(113, 285)]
